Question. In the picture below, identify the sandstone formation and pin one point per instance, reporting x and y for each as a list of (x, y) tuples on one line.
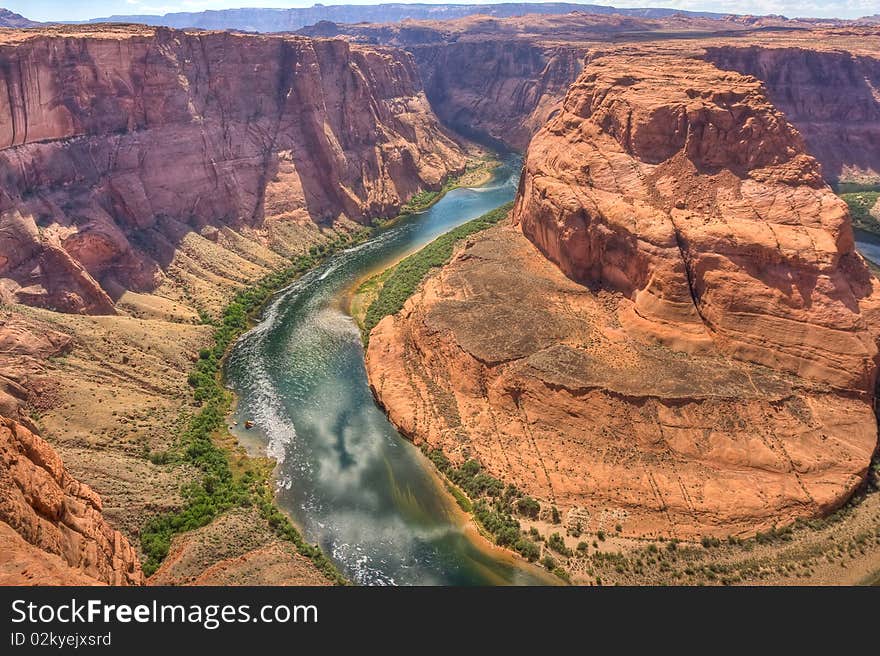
[(830, 95), (690, 347), (116, 144), (50, 511), (239, 548)]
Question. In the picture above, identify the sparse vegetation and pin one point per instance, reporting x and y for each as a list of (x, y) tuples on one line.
[(528, 507), (557, 543), (491, 501), (860, 205)]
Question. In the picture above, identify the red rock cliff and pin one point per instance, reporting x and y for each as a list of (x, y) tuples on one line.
[(692, 194), (51, 526), (831, 95), (115, 141)]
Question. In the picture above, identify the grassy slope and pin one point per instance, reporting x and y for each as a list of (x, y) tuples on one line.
[(229, 480)]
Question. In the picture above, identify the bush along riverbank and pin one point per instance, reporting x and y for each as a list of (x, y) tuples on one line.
[(229, 478), (864, 207), (406, 276), (495, 508), (478, 171)]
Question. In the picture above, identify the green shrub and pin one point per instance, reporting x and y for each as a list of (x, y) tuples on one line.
[(556, 543), (528, 507), (527, 549), (409, 272), (860, 205), (218, 491)]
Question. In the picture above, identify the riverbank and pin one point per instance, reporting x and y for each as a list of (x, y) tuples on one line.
[(230, 477), (479, 170), (843, 548), (490, 506), (346, 476), (385, 292), (864, 207)]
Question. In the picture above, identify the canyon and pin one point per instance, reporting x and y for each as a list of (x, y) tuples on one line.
[(149, 175), (691, 346), (506, 78), (245, 141)]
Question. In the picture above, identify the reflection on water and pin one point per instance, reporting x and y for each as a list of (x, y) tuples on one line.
[(353, 484)]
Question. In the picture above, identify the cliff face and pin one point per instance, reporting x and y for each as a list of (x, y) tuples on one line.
[(116, 143), (690, 347), (506, 77), (831, 96), (506, 90), (44, 509)]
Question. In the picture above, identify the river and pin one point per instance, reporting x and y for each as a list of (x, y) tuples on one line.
[(348, 479)]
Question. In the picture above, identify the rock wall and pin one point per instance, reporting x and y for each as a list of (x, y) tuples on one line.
[(116, 141), (832, 96), (44, 509), (694, 196), (504, 89)]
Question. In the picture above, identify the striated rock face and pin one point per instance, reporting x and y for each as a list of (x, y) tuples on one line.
[(690, 347), (693, 195), (506, 76), (117, 142), (506, 90), (830, 95), (53, 512)]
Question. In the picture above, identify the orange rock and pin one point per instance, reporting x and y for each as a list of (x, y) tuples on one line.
[(116, 142), (56, 515)]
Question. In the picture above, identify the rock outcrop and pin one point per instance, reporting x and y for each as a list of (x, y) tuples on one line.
[(505, 77), (116, 142), (44, 510), (690, 345), (831, 95)]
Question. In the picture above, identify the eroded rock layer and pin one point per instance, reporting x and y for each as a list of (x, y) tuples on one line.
[(43, 509), (117, 143), (832, 96), (506, 76), (675, 332)]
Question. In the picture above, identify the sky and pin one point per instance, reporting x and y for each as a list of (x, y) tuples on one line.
[(47, 10)]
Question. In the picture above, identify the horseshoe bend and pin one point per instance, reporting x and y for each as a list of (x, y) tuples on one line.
[(670, 334), (690, 345)]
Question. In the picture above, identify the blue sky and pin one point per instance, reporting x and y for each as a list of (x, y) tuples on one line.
[(73, 10)]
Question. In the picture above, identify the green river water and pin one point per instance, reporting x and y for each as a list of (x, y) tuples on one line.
[(352, 483)]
